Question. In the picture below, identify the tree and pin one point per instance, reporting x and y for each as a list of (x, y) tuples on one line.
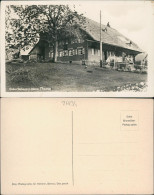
[(57, 22), (18, 31)]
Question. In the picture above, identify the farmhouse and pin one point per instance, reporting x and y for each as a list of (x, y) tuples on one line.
[(86, 47)]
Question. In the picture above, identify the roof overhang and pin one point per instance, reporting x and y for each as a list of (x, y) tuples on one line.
[(115, 47)]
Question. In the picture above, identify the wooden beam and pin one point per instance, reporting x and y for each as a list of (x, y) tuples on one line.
[(100, 39)]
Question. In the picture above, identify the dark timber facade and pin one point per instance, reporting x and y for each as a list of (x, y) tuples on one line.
[(115, 47)]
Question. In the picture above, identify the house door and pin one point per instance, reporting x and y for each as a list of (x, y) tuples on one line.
[(42, 52)]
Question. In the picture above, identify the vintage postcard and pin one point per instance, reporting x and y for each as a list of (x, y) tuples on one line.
[(76, 146), (77, 49)]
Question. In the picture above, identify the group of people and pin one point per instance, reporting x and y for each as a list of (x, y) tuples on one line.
[(115, 59)]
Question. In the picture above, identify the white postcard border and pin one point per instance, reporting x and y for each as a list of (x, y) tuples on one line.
[(150, 90)]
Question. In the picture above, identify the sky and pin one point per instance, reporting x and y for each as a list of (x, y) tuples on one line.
[(133, 19)]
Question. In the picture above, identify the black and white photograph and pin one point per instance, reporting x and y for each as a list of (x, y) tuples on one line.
[(87, 47), (77, 89)]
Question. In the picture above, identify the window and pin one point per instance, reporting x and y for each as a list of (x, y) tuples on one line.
[(50, 54), (61, 54), (83, 51), (80, 51), (129, 43), (70, 52), (74, 51), (66, 53)]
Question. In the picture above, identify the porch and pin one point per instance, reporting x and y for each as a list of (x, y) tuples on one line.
[(113, 56)]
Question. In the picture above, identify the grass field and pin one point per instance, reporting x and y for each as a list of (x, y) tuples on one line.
[(70, 77)]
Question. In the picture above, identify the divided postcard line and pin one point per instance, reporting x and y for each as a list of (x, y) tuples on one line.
[(72, 153)]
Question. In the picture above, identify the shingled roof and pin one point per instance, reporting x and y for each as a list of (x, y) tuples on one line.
[(109, 36)]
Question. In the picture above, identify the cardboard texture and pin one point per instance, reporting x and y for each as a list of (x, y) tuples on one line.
[(77, 146)]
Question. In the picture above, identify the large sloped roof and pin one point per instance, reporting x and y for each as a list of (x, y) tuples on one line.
[(111, 36)]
